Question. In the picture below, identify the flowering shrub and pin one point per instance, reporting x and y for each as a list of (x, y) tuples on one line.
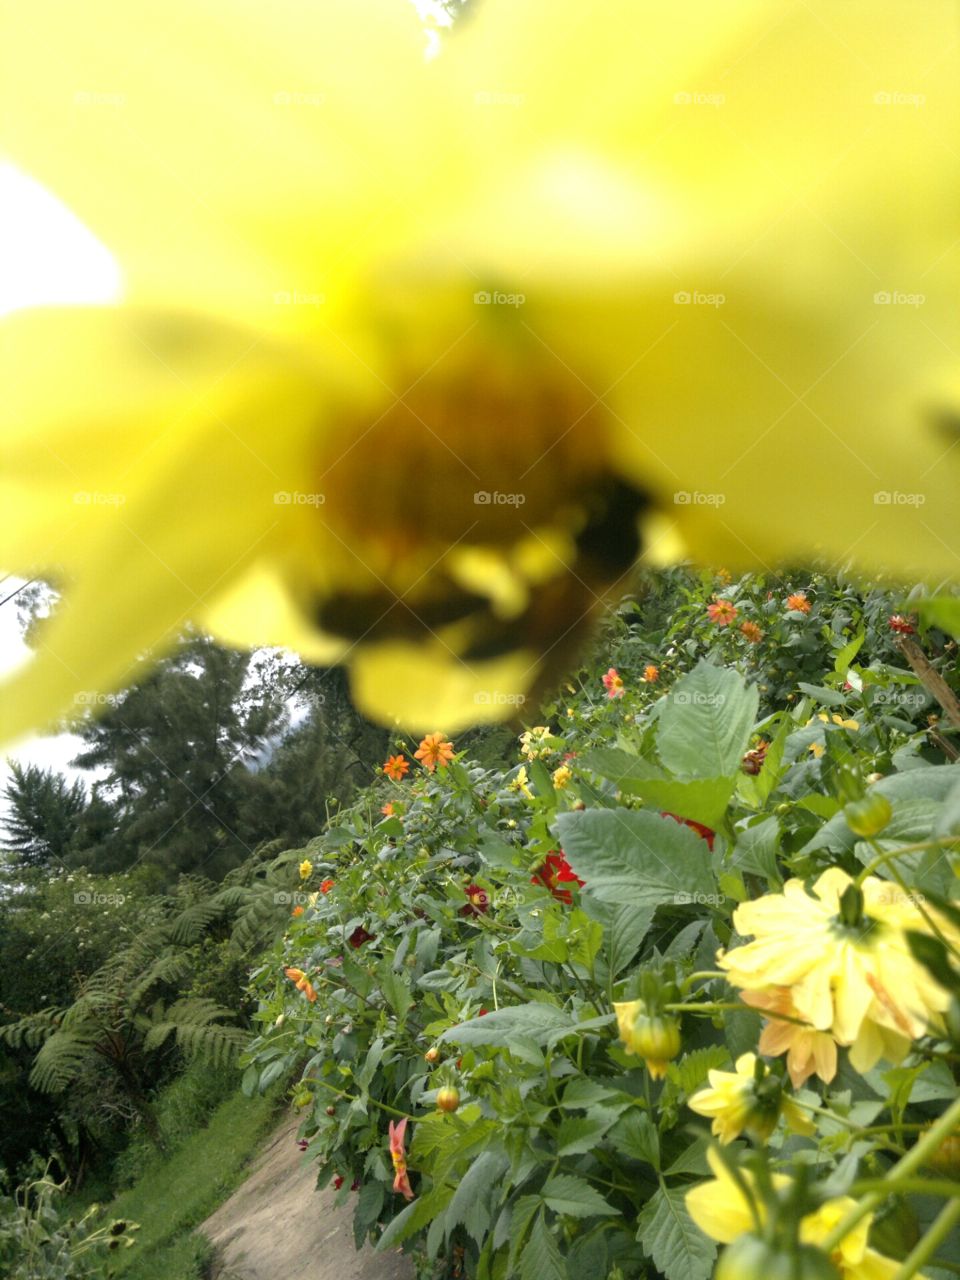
[(698, 990)]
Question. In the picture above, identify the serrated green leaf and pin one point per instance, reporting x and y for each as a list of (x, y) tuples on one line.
[(578, 1134), (670, 1237), (470, 1204), (636, 1136), (575, 1198), (705, 726), (414, 1217), (625, 935), (541, 1258), (523, 1211), (636, 857), (535, 1022)]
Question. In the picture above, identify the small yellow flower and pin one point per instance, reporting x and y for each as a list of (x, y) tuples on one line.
[(306, 869), (535, 742), (816, 749), (562, 776), (740, 1101), (521, 783)]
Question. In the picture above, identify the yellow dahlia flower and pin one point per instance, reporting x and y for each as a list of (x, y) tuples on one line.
[(413, 358), (654, 1037), (808, 1051), (720, 1210), (845, 962), (745, 1101)]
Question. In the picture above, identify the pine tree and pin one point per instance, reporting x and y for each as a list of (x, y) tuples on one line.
[(44, 811)]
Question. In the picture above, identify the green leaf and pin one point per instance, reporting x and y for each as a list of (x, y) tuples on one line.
[(703, 799), (470, 1204), (635, 1135), (705, 726), (414, 1217), (541, 1258), (575, 1198), (636, 857), (756, 851), (523, 1211), (625, 935), (619, 767), (841, 662), (691, 1071), (692, 1159), (535, 1022), (671, 1238), (578, 1134), (940, 611)]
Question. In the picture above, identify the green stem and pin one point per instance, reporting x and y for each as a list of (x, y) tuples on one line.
[(934, 1236), (903, 1169)]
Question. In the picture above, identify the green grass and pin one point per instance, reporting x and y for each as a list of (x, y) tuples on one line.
[(174, 1195)]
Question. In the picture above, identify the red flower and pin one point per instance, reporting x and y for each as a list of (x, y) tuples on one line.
[(707, 833), (326, 886), (303, 1144), (338, 1182), (360, 936), (554, 870), (478, 903), (903, 625), (613, 683), (397, 1135), (355, 1186)]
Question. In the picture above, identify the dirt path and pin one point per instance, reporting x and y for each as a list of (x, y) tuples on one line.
[(275, 1226)]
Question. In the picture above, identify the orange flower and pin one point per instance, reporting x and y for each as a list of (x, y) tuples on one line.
[(401, 1181), (722, 612), (750, 631), (651, 674), (808, 1050), (434, 750), (297, 911), (300, 978), (395, 767), (387, 808), (326, 886), (799, 602), (613, 683)]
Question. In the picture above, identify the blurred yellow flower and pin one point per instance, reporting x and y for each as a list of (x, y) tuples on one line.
[(306, 869), (843, 955), (521, 783), (719, 1209), (808, 1051), (739, 1101), (561, 777), (414, 358)]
